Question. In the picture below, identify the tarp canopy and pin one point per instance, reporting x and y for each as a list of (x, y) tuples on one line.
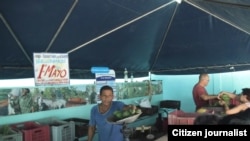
[(157, 36)]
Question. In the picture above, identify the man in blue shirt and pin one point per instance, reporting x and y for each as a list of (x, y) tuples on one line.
[(99, 114)]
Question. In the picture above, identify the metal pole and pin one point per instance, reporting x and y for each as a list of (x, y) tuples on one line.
[(121, 26)]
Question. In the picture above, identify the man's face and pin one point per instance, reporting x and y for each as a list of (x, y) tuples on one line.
[(243, 98), (106, 97), (206, 80)]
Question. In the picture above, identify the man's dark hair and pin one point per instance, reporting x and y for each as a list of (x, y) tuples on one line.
[(207, 119), (202, 75), (246, 91), (106, 87)]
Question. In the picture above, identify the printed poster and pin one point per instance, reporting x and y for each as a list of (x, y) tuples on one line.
[(51, 69)]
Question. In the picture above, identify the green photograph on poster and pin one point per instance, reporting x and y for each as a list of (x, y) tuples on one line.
[(17, 101)]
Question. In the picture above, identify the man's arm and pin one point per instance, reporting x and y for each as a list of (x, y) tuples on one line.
[(208, 97), (237, 109), (231, 95), (91, 132), (130, 106)]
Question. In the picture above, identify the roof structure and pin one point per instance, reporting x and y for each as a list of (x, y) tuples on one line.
[(157, 36)]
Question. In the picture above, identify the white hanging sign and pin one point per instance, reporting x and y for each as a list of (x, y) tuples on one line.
[(51, 69)]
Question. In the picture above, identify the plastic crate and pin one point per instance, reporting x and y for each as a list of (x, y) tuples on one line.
[(32, 131), (60, 130), (81, 126), (179, 117), (11, 136)]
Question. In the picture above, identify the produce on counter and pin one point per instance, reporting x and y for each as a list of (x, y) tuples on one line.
[(201, 110), (225, 98), (127, 112)]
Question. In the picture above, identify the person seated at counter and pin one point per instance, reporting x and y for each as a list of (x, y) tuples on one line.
[(241, 118), (243, 98), (207, 119), (200, 95)]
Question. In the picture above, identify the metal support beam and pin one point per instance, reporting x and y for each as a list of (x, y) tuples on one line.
[(61, 26), (16, 39)]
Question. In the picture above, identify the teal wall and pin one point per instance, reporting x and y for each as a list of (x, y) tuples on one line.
[(71, 112), (174, 88), (179, 87)]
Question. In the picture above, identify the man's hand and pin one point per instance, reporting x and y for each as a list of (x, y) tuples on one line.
[(220, 95), (133, 107), (222, 103)]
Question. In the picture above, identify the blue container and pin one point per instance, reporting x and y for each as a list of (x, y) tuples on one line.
[(99, 69)]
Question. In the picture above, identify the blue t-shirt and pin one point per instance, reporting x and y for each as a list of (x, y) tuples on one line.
[(105, 130)]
